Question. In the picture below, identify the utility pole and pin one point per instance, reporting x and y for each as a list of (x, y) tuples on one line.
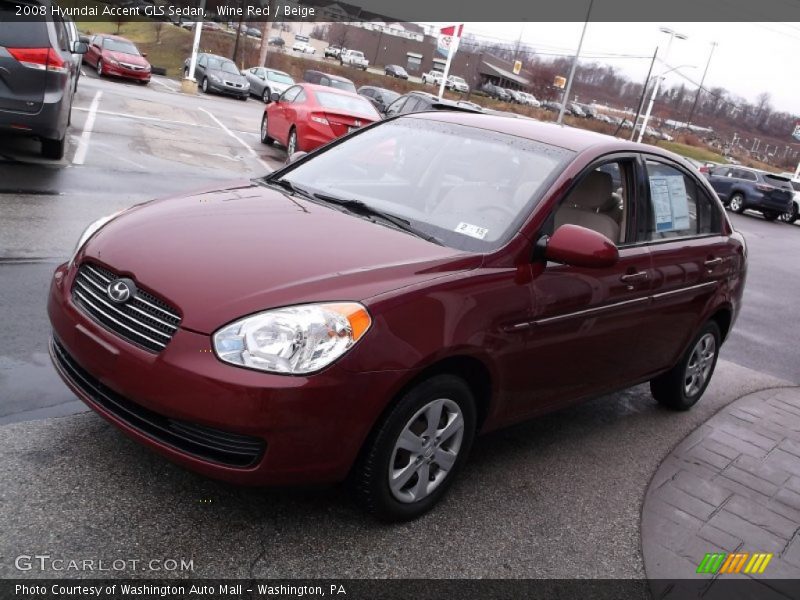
[(568, 89), (672, 35), (702, 81), (641, 100), (189, 83)]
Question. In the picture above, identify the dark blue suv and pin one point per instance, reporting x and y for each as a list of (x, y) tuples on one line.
[(741, 188)]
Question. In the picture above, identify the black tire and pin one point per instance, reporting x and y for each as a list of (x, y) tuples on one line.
[(791, 216), (736, 203), (370, 477), (770, 215), (670, 389), (204, 86), (265, 139), (244, 98), (265, 95), (54, 149), (99, 67)]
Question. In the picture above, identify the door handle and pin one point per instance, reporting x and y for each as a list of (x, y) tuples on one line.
[(634, 277), (712, 262)]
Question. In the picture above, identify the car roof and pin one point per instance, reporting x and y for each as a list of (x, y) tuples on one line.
[(276, 71), (315, 87), (329, 75), (569, 138)]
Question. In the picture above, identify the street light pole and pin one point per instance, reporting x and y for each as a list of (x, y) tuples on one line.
[(700, 89), (672, 36), (567, 90)]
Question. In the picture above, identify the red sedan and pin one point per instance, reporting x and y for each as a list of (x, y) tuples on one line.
[(364, 312), (307, 116), (112, 55)]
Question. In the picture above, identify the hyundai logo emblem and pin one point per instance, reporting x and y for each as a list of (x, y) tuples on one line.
[(121, 290)]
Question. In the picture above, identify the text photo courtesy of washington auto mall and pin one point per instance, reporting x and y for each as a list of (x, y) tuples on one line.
[(399, 299)]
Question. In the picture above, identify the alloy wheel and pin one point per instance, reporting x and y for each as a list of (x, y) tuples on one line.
[(265, 96), (99, 68), (789, 217), (700, 364), (291, 147), (426, 450), (736, 203)]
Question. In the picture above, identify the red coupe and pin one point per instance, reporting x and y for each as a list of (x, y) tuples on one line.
[(307, 116), (367, 310), (114, 55)]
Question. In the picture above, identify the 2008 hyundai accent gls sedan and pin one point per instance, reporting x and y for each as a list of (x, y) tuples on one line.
[(362, 313)]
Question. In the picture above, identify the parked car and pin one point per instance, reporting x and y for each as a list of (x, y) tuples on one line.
[(254, 32), (334, 81), (264, 81), (495, 91), (115, 56), (381, 98), (432, 78), (551, 105), (741, 188), (514, 96), (38, 77), (307, 116), (576, 110), (423, 101), (354, 58), (530, 100), (362, 313), (276, 41), (332, 51), (303, 47), (792, 215), (456, 83), (395, 71), (218, 74)]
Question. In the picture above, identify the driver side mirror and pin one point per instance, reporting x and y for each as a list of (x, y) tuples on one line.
[(274, 96), (578, 246), (80, 47)]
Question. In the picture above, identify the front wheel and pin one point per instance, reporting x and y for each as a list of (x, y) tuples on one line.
[(682, 386), (411, 460), (265, 139), (736, 203), (791, 216), (99, 67), (291, 144), (204, 85), (265, 96)]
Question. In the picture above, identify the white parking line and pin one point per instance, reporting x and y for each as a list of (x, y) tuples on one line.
[(238, 139), (168, 86), (83, 144), (143, 118)]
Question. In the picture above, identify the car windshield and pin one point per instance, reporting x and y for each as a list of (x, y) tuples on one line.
[(355, 104), (223, 65), (279, 77), (121, 46), (469, 188), (343, 85), (458, 79), (356, 54)]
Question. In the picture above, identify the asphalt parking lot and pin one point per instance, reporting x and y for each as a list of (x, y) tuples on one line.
[(558, 497)]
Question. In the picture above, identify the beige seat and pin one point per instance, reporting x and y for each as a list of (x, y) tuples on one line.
[(582, 204)]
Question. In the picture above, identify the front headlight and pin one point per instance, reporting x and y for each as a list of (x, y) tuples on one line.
[(88, 233), (295, 339), (213, 77)]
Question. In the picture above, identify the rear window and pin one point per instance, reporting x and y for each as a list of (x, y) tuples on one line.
[(777, 181), (342, 85), (349, 103), (16, 33)]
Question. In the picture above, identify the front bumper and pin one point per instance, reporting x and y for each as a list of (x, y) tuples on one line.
[(222, 88), (125, 73), (297, 429)]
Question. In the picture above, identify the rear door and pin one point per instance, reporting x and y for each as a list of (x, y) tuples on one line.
[(22, 43), (692, 258), (721, 179)]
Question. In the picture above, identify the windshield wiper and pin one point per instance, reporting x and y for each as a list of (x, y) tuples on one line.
[(290, 187), (364, 209)]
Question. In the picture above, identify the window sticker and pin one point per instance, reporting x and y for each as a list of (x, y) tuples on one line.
[(471, 230), (670, 202)]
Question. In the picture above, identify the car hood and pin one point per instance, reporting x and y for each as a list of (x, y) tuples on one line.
[(278, 87), (222, 254), (232, 77), (131, 59)]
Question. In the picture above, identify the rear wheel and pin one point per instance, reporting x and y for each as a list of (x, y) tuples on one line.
[(54, 149), (291, 144), (791, 216), (736, 203), (265, 139), (682, 386), (412, 458)]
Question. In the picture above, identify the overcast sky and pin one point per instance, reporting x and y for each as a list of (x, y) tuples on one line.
[(750, 58)]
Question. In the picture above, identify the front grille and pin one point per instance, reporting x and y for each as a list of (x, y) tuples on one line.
[(144, 320), (236, 85), (214, 445), (132, 67)]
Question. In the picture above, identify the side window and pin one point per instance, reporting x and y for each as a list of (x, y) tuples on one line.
[(324, 81), (61, 34), (748, 175), (202, 60), (368, 92), (678, 206), (600, 202), (290, 94), (301, 97), (395, 107)]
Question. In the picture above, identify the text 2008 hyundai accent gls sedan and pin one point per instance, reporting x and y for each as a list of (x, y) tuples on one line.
[(365, 311)]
